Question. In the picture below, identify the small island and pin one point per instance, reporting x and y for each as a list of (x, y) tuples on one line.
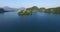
[(25, 12), (28, 11)]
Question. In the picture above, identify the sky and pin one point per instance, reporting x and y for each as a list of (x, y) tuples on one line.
[(30, 3)]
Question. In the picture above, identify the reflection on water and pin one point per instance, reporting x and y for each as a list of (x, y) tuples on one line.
[(37, 22)]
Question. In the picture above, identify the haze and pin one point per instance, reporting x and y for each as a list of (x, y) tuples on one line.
[(30, 3)]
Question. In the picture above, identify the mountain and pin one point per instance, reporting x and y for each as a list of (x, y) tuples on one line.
[(6, 8), (2, 10), (22, 8)]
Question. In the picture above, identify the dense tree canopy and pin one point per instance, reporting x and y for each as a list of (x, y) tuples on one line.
[(36, 9), (1, 10)]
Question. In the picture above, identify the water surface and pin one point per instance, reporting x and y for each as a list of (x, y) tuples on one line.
[(37, 22)]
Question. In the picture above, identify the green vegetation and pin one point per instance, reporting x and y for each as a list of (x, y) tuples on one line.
[(25, 12), (29, 11), (50, 10), (33, 9)]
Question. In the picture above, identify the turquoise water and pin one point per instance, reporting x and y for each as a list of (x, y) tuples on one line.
[(37, 22)]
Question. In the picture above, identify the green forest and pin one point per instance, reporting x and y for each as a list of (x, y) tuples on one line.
[(36, 9)]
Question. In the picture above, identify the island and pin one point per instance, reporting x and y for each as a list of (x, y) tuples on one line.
[(25, 12), (29, 11)]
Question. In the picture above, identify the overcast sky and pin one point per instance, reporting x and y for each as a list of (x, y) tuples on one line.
[(30, 3)]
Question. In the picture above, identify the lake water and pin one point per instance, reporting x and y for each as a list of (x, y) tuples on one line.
[(37, 22)]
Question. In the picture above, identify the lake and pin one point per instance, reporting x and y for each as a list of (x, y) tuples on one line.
[(37, 22)]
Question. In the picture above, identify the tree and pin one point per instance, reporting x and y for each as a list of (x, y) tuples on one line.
[(2, 10), (42, 9)]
